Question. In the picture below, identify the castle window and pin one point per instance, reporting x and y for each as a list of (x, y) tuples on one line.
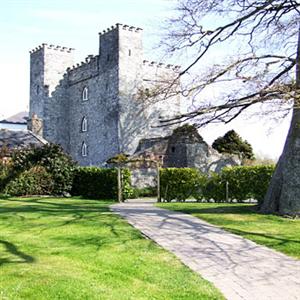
[(38, 89), (108, 58), (84, 149), (85, 94), (84, 124), (173, 149), (129, 52)]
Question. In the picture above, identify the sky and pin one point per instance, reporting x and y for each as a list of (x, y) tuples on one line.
[(25, 24)]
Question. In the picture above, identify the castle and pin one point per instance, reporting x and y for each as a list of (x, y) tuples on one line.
[(96, 109)]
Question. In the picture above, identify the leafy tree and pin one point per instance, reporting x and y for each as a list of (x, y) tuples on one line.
[(264, 68), (232, 143)]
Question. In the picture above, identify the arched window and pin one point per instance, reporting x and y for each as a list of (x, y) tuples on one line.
[(84, 124), (85, 94), (84, 149)]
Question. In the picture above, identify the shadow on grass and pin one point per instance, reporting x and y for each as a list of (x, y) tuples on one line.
[(221, 209), (86, 213), (40, 205), (13, 250), (280, 240)]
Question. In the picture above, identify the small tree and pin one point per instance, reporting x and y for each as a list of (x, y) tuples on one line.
[(232, 143)]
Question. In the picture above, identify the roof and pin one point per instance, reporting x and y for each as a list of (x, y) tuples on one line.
[(19, 138), (19, 118)]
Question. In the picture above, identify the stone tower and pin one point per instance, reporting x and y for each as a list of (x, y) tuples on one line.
[(93, 108), (47, 66)]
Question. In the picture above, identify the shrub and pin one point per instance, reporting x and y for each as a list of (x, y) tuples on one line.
[(51, 157), (244, 182), (144, 192), (214, 188), (179, 183), (100, 183), (3, 176), (36, 181)]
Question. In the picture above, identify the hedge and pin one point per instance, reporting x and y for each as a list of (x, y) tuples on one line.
[(179, 183), (244, 182), (99, 183)]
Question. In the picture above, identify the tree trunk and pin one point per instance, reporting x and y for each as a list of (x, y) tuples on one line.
[(283, 194)]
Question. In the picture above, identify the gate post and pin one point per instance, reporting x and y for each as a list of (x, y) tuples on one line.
[(158, 182), (120, 196)]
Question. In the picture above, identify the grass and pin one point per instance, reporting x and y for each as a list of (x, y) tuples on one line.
[(276, 232), (53, 248)]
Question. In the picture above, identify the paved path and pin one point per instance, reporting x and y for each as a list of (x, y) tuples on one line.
[(240, 268)]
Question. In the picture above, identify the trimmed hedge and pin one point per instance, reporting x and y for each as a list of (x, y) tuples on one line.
[(244, 182), (100, 183), (179, 183)]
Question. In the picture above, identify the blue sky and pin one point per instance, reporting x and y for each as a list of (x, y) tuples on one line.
[(25, 24)]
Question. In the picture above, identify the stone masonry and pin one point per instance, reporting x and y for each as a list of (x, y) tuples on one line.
[(93, 109)]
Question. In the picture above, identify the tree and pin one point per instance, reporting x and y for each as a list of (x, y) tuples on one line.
[(232, 143), (265, 69)]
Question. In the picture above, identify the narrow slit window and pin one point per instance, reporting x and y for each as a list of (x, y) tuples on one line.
[(84, 124), (129, 52), (84, 149), (85, 94)]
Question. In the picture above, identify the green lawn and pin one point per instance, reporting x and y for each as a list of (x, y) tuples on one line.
[(77, 249), (275, 232)]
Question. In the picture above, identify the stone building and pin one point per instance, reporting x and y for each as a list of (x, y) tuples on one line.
[(184, 148), (95, 109)]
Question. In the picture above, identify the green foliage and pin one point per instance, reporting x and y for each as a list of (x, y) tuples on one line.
[(144, 192), (244, 182), (100, 183), (232, 143), (214, 188), (3, 175), (52, 158), (36, 181), (179, 183)]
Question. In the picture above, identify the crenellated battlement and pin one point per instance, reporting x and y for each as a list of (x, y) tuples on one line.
[(121, 26), (88, 60), (155, 64), (52, 47)]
